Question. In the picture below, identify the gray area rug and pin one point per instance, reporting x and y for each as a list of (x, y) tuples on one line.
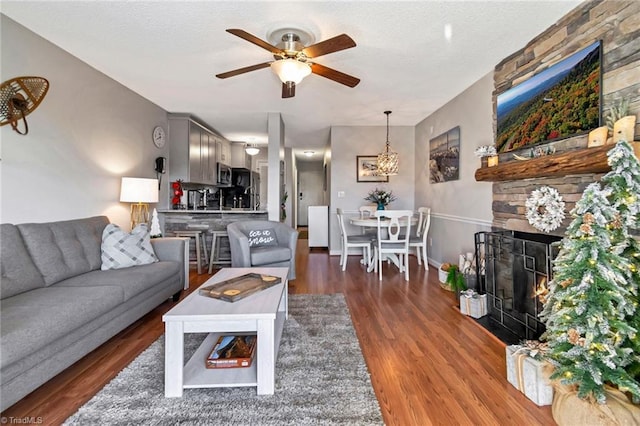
[(321, 378)]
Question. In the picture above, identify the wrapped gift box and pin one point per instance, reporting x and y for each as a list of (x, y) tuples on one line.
[(473, 304), (527, 375)]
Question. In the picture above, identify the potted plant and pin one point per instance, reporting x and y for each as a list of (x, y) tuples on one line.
[(456, 281), (487, 154), (381, 197)]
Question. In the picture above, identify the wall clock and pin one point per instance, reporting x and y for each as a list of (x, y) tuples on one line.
[(159, 137)]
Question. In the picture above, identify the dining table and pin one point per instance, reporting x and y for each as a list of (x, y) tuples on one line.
[(372, 222)]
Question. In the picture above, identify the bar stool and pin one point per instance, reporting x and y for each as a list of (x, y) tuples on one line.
[(215, 250), (200, 243)]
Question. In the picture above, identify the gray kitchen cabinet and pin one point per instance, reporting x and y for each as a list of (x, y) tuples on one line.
[(194, 165), (208, 156), (223, 150), (239, 157), (192, 151)]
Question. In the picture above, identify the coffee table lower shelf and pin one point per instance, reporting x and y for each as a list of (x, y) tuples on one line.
[(196, 375), (264, 314)]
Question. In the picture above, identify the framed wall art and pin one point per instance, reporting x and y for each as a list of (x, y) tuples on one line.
[(444, 156), (367, 169)]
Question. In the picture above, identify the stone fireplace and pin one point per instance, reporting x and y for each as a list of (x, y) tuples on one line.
[(518, 258), (615, 25), (518, 267)]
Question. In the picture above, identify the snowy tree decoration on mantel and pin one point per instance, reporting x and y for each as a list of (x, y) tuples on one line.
[(155, 231), (545, 209)]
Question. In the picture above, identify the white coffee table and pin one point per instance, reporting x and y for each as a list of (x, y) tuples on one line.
[(262, 313)]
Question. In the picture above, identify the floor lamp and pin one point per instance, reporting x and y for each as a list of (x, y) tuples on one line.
[(139, 192)]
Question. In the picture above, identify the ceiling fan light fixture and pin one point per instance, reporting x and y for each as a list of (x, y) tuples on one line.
[(387, 161), (251, 150), (291, 70)]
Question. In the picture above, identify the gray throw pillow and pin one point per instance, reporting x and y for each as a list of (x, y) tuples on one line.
[(122, 250), (262, 237)]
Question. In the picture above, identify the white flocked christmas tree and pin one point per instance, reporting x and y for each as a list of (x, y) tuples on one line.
[(592, 312), (155, 231)]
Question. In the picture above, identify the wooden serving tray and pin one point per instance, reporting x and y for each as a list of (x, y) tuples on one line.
[(240, 287)]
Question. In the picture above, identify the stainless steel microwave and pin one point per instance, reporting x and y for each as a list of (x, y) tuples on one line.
[(224, 175)]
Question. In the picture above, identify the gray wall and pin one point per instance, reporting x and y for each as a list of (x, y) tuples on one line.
[(275, 155), (88, 132), (349, 142), (290, 186), (462, 207)]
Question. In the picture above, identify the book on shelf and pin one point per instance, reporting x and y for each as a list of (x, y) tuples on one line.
[(240, 287), (232, 352)]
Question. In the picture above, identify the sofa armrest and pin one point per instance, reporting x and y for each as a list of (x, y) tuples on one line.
[(239, 243), (288, 237), (175, 249), (292, 241)]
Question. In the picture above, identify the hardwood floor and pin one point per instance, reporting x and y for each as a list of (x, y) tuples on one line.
[(429, 364)]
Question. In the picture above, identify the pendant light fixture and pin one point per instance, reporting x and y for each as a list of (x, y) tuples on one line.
[(388, 159), (252, 150)]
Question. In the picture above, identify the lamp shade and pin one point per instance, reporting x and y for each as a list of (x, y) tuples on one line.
[(139, 190), (291, 70)]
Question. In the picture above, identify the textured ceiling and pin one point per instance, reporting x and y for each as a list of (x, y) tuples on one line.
[(170, 51)]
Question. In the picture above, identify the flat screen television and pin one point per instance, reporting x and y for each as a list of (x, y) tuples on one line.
[(563, 100)]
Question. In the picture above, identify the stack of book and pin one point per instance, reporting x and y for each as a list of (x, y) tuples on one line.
[(232, 352)]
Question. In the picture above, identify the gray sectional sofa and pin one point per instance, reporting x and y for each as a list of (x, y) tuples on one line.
[(57, 305)]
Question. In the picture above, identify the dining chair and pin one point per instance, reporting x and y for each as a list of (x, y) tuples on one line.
[(392, 242), (419, 239), (368, 211), (356, 241)]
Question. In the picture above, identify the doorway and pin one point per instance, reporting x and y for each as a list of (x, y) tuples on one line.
[(310, 188)]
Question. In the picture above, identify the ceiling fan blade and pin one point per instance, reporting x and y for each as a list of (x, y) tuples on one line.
[(334, 75), (255, 40), (243, 70), (331, 45), (288, 89)]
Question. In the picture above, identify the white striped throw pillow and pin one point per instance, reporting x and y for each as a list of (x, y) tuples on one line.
[(122, 250)]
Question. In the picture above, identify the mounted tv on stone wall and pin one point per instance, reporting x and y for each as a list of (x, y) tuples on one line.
[(559, 102)]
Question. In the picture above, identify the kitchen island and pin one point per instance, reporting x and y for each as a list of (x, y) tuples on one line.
[(207, 221)]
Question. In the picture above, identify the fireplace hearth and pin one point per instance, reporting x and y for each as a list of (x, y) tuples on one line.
[(518, 267)]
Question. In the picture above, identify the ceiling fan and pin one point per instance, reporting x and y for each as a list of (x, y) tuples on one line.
[(293, 59)]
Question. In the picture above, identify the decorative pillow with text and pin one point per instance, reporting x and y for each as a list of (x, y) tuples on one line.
[(123, 250), (262, 238)]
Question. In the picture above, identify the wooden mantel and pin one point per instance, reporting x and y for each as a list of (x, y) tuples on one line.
[(580, 161)]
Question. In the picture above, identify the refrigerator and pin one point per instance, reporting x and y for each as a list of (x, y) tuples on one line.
[(318, 226)]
